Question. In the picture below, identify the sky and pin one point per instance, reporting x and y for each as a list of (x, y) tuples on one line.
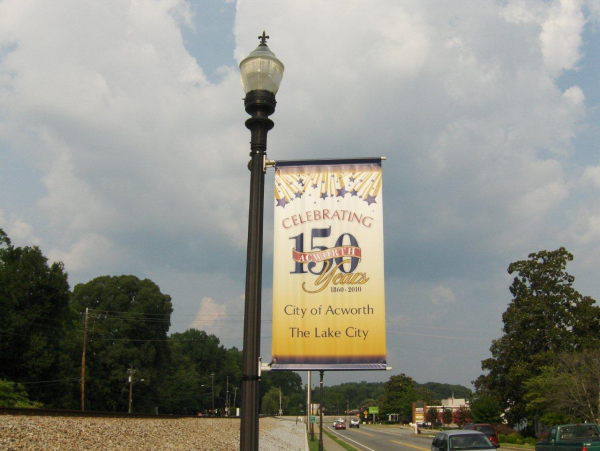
[(123, 149)]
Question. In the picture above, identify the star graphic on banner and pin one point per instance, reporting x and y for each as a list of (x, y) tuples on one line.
[(298, 194), (352, 178), (342, 192), (323, 195), (354, 192), (301, 182), (315, 186), (370, 200), (282, 202)]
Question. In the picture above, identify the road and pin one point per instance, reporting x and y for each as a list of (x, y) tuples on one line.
[(378, 438)]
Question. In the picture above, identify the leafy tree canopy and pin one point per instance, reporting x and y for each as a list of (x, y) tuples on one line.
[(431, 416), (35, 320), (566, 391), (129, 320), (399, 395), (445, 391), (14, 395), (486, 409), (546, 316)]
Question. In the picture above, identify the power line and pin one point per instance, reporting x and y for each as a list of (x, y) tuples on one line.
[(440, 336), (47, 382)]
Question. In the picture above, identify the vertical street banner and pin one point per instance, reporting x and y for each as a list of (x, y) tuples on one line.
[(328, 282)]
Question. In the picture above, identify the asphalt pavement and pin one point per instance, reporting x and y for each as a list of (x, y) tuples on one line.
[(381, 438)]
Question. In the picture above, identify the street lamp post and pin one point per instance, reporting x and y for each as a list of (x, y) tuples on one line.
[(261, 73), (213, 392)]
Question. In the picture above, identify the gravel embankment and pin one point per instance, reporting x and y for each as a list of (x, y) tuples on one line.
[(19, 433)]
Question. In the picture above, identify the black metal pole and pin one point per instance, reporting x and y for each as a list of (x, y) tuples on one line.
[(321, 413), (260, 105), (213, 392)]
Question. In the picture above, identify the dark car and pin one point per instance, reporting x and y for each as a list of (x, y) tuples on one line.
[(485, 428), (461, 441)]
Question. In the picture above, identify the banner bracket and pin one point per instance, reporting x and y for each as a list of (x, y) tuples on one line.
[(268, 164)]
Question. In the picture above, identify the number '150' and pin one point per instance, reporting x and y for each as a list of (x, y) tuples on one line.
[(318, 234)]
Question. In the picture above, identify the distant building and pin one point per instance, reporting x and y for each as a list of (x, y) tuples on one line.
[(420, 407)]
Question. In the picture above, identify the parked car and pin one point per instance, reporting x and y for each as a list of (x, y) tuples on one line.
[(461, 440), (571, 437), (354, 423), (487, 429), (340, 425)]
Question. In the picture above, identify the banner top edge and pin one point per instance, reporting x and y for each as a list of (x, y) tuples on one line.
[(329, 161)]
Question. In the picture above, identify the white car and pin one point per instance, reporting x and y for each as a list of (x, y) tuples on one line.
[(354, 423)]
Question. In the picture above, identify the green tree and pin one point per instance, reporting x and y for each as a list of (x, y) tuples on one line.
[(486, 409), (352, 394), (447, 416), (432, 415), (399, 395), (129, 320), (444, 391), (546, 316), (567, 390), (195, 356), (291, 388), (35, 322), (14, 395), (270, 402)]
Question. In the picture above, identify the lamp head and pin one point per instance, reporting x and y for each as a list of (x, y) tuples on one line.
[(261, 70)]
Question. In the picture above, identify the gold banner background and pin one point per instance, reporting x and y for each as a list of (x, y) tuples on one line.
[(300, 319)]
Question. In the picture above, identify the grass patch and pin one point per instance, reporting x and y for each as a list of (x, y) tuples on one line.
[(313, 446), (516, 445), (342, 443)]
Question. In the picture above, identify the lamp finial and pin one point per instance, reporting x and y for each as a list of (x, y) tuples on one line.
[(263, 39)]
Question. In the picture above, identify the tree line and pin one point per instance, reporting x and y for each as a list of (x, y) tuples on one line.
[(42, 328), (123, 322), (544, 369)]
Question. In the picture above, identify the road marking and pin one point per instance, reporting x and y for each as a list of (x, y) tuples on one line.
[(410, 446), (366, 433), (343, 437)]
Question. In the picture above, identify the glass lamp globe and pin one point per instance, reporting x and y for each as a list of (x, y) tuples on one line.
[(261, 70)]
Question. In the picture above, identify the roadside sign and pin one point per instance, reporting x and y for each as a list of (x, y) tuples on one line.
[(374, 410), (312, 418), (366, 412)]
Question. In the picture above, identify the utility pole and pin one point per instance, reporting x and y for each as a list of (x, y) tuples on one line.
[(83, 361), (321, 413), (234, 395), (227, 398), (309, 409), (280, 411), (131, 372), (213, 392), (347, 411)]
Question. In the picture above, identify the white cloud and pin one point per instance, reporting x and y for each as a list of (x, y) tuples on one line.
[(209, 315), (20, 232), (144, 160), (592, 175), (91, 251), (441, 295), (561, 35)]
